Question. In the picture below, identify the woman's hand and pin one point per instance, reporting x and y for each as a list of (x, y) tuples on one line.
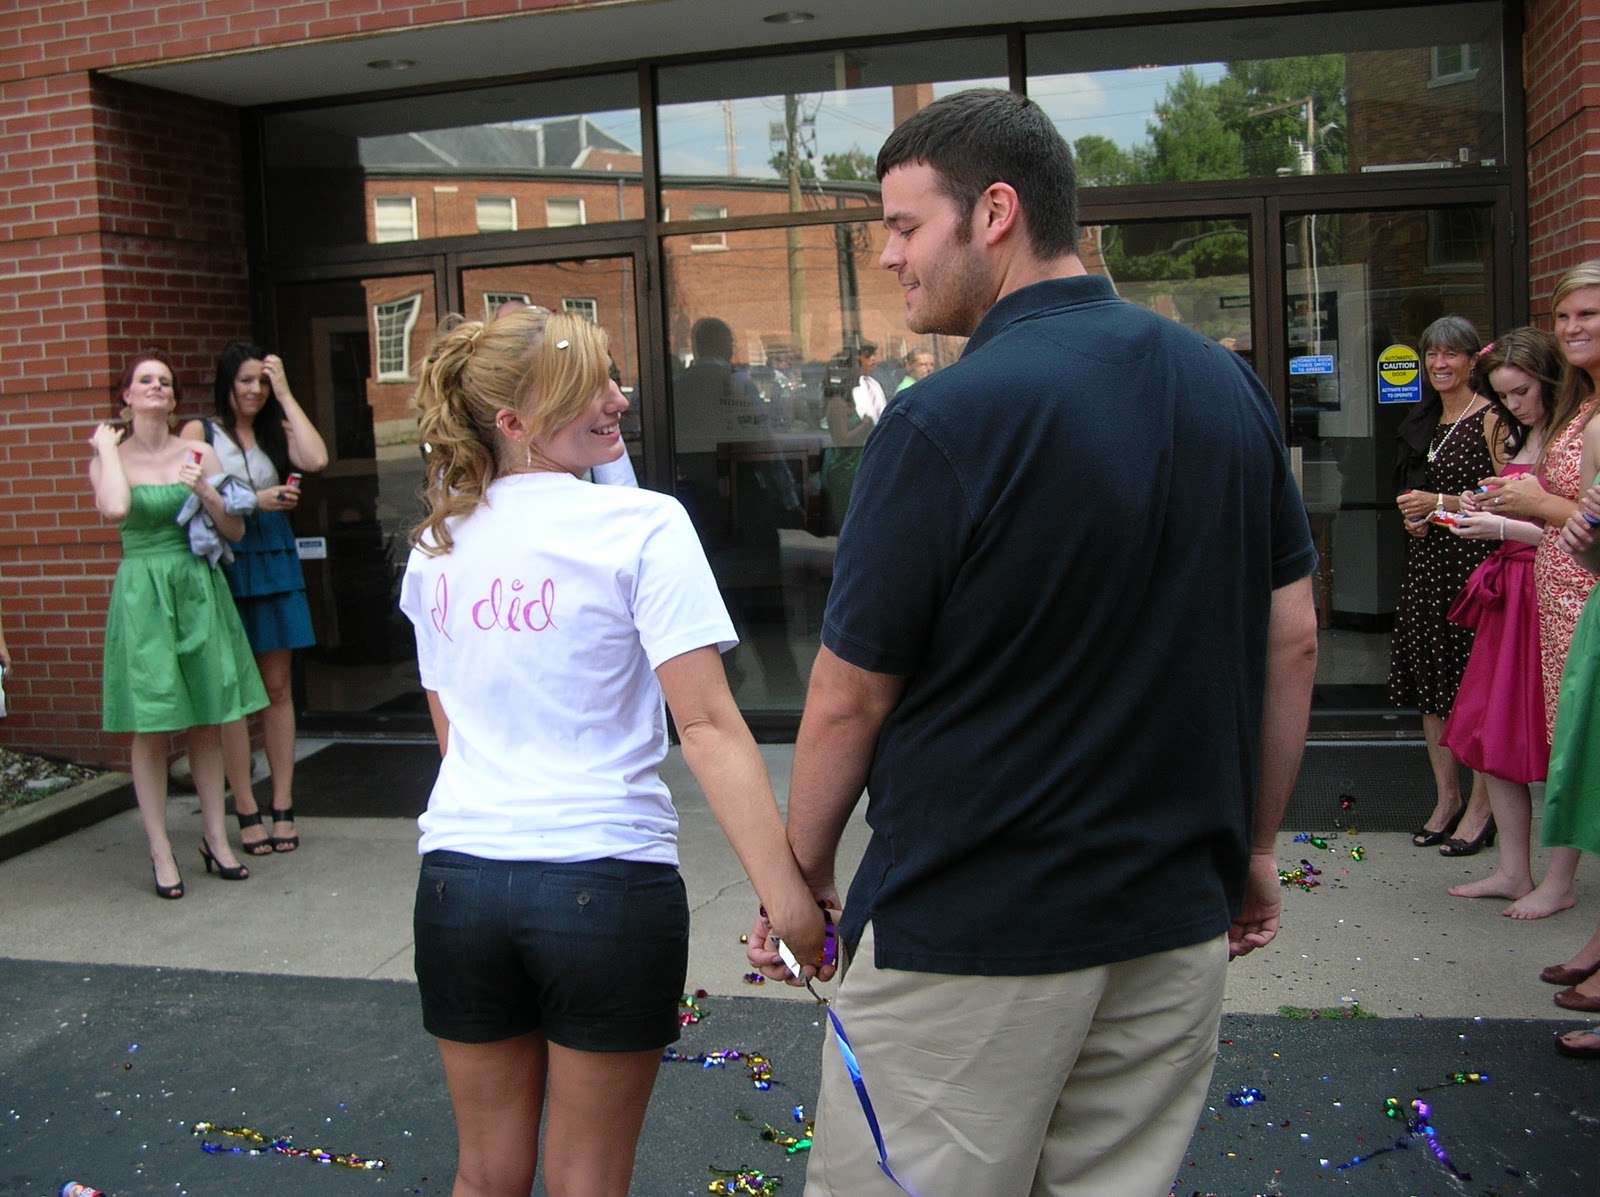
[(191, 473), (1416, 505), (1517, 498), (806, 937), (1579, 536), (277, 498), (1477, 525), (105, 437), (272, 371)]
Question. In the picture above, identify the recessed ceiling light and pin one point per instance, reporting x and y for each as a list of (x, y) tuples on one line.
[(391, 64), (789, 18)]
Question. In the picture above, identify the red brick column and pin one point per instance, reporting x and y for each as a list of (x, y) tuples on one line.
[(1561, 53), (121, 215)]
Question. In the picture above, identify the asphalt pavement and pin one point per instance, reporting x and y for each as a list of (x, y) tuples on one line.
[(284, 1005)]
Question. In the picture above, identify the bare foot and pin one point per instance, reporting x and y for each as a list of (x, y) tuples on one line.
[(1540, 905), (1497, 885)]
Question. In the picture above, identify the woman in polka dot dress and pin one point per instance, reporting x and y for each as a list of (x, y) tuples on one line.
[(1445, 449)]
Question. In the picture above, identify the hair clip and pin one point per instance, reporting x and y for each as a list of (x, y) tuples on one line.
[(1486, 349), (563, 344)]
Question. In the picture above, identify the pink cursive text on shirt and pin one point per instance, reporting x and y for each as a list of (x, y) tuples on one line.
[(518, 612)]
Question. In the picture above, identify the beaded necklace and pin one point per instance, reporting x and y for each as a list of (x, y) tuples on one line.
[(1435, 450)]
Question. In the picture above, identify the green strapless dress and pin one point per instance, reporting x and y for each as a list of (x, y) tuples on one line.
[(176, 654), (1572, 793)]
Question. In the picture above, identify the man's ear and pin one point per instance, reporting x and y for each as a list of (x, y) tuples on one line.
[(998, 212)]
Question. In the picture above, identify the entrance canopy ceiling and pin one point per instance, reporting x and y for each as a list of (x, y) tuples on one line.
[(591, 34)]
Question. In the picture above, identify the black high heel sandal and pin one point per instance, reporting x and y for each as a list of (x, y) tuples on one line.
[(170, 892), (252, 847), (1460, 847), (236, 873), (1426, 837), (284, 843)]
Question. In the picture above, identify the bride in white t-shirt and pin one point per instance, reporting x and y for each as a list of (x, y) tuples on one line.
[(551, 617)]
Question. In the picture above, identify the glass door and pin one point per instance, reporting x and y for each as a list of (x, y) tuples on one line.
[(1354, 284), (353, 346)]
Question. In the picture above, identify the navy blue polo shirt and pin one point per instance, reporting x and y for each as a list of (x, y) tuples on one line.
[(1066, 543)]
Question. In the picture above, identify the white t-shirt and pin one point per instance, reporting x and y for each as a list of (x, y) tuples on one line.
[(540, 632)]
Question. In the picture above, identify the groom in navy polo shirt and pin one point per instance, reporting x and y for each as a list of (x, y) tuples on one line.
[(1069, 652)]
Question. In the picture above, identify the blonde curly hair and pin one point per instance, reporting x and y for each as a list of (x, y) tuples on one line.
[(1576, 385), (544, 366)]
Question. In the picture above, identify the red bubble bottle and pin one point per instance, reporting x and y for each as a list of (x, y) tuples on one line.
[(75, 1188)]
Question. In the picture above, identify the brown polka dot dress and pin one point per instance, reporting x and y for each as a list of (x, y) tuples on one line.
[(1428, 653)]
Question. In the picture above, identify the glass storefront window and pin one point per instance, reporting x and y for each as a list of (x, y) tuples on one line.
[(1420, 89), (773, 339), (1354, 284), (469, 163), (800, 121), (1196, 272)]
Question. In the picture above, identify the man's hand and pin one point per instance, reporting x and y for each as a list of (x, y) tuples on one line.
[(1257, 924)]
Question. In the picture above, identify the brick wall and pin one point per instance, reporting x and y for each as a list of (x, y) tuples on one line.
[(1561, 61), (122, 217)]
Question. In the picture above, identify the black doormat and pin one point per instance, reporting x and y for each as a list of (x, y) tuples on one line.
[(1364, 786), (377, 779), (1370, 787)]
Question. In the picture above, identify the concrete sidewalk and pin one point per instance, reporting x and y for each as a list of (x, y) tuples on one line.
[(286, 1003)]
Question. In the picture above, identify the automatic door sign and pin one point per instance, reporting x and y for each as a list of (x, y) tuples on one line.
[(1399, 375)]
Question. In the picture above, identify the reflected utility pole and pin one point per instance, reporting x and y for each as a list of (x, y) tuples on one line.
[(797, 282)]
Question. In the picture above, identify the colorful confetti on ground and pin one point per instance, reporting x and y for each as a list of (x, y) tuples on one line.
[(1418, 1126), (277, 1145), (743, 1180)]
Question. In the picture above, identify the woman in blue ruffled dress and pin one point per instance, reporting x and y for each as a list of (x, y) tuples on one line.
[(264, 438)]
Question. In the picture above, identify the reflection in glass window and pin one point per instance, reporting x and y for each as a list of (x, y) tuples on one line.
[(709, 212), (393, 323), (1260, 96), (394, 218), (1457, 63), (804, 120), (477, 157), (589, 309), (494, 300), (497, 213), (780, 347), (563, 211), (1196, 272)]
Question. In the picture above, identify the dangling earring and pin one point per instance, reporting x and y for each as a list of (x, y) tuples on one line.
[(125, 414), (528, 462)]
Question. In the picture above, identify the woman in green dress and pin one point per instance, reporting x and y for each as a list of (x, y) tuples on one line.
[(176, 656)]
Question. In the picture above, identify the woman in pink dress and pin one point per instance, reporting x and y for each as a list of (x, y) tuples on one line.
[(1497, 725), (1551, 497)]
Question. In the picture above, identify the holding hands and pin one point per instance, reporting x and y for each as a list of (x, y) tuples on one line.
[(810, 937)]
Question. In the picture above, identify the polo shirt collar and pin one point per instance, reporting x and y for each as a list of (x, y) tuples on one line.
[(1035, 300)]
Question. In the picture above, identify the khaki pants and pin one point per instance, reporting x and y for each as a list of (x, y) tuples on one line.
[(1079, 1084)]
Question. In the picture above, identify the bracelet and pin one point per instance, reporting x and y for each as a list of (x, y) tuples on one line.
[(1439, 506), (1502, 527)]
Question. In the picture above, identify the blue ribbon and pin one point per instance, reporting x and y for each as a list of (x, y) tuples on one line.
[(853, 1066)]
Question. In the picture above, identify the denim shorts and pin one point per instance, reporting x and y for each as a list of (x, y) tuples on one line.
[(592, 955)]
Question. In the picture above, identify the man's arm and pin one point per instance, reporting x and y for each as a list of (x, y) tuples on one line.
[(1285, 712), (845, 710)]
